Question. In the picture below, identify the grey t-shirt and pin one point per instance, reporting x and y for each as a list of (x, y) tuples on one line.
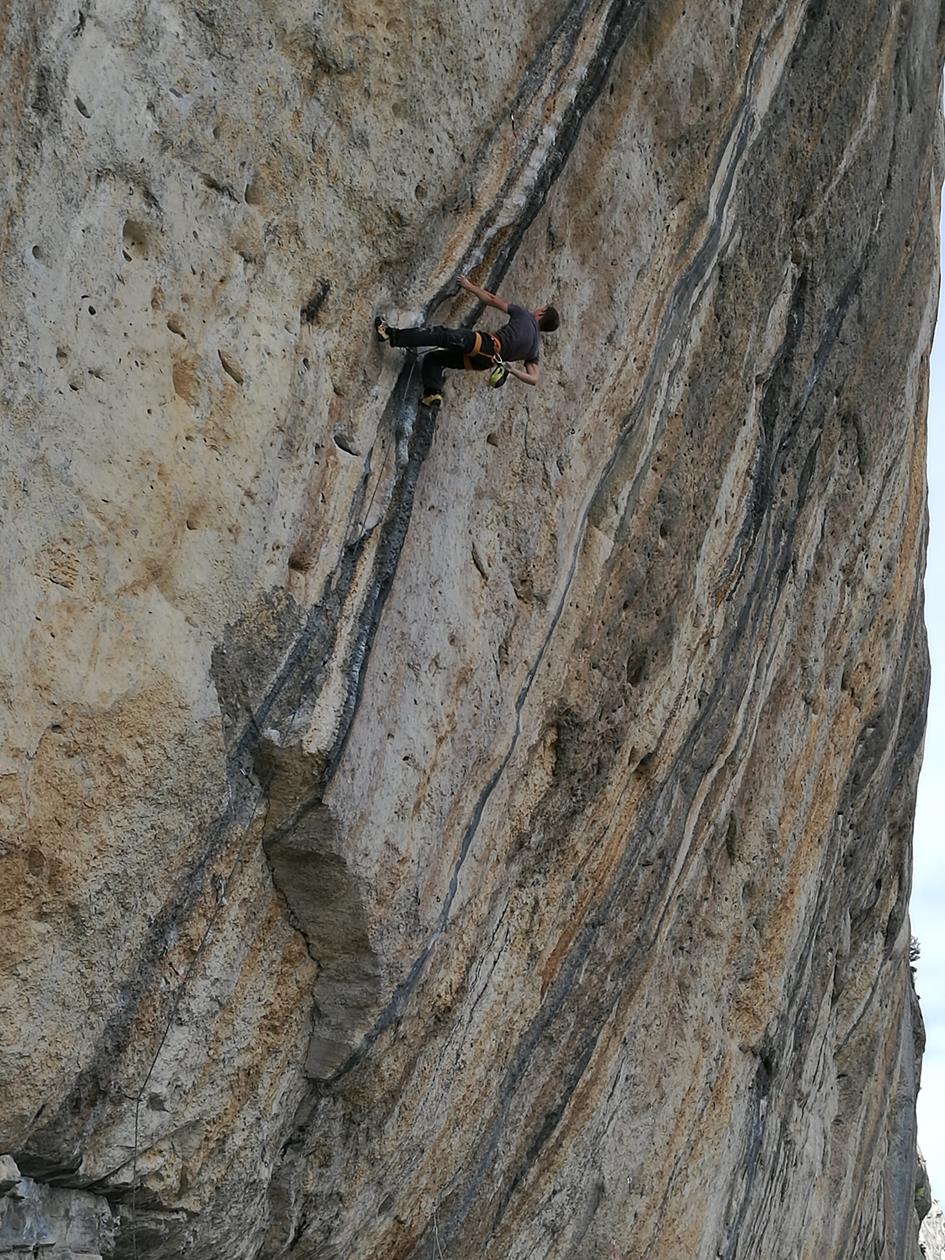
[(519, 338)]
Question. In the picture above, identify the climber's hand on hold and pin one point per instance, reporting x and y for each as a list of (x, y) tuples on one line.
[(483, 295)]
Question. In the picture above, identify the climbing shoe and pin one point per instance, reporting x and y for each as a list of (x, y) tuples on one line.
[(381, 329), (432, 398)]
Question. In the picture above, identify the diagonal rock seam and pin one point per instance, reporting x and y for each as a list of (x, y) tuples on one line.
[(393, 528), (349, 1003), (734, 144), (243, 802), (677, 311)]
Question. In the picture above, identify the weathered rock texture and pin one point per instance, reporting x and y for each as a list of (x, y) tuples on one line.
[(932, 1235), (45, 1220), (489, 840)]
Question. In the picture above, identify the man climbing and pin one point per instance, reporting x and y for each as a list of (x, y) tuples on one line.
[(517, 341)]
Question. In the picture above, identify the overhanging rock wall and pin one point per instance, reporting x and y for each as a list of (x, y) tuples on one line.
[(488, 838)]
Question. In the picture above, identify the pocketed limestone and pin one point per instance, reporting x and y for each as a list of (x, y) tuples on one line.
[(484, 834)]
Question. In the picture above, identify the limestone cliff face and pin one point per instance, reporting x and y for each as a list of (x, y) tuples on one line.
[(483, 835), (932, 1235)]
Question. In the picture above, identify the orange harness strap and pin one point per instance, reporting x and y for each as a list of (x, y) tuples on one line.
[(476, 347)]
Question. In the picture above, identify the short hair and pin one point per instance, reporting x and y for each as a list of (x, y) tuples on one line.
[(549, 320)]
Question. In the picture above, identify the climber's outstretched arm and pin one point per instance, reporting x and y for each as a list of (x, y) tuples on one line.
[(528, 374), (483, 295)]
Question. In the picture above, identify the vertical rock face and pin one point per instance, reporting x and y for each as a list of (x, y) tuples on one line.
[(484, 834)]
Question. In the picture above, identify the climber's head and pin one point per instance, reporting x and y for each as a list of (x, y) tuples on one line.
[(548, 318)]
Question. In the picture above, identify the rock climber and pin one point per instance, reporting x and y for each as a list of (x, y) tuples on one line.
[(516, 342)]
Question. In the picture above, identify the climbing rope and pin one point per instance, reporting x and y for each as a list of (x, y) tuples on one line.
[(436, 1238)]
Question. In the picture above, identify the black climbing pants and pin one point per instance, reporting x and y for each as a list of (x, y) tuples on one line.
[(455, 343)]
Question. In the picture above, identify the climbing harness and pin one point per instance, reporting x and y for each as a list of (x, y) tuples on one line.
[(477, 351), (500, 372)]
